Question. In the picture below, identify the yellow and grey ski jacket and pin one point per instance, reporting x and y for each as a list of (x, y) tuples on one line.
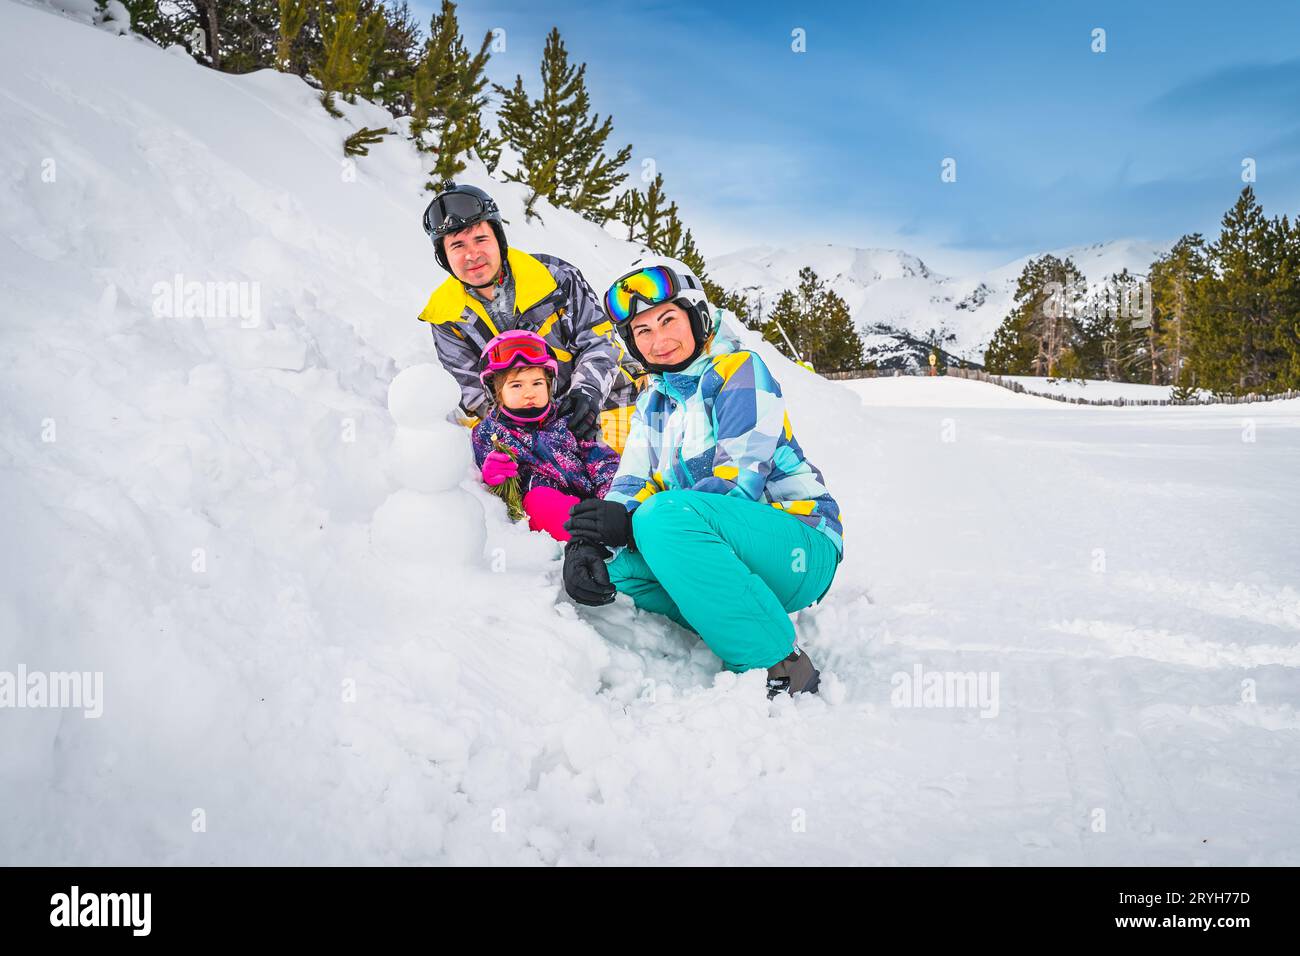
[(552, 299)]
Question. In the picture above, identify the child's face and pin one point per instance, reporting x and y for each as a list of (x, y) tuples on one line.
[(525, 388)]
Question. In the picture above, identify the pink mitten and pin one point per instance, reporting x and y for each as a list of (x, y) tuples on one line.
[(497, 467), (548, 509)]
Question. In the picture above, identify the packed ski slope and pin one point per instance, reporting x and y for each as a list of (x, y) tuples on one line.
[(321, 642)]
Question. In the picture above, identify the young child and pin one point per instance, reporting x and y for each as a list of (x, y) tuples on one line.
[(555, 470)]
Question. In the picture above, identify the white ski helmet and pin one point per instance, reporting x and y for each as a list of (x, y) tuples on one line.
[(651, 280)]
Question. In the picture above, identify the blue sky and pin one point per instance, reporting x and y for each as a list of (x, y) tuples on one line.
[(1055, 145)]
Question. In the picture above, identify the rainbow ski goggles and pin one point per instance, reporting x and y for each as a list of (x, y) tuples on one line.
[(649, 286)]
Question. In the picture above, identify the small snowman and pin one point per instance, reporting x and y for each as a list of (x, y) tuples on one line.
[(429, 520)]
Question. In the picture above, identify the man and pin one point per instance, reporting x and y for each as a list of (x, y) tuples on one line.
[(493, 289)]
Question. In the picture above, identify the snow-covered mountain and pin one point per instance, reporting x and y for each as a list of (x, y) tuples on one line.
[(320, 641), (892, 288)]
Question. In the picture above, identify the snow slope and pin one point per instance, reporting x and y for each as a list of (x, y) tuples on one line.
[(954, 391), (898, 289), (917, 391), (1099, 389), (313, 651)]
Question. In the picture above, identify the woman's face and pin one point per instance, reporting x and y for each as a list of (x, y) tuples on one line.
[(663, 334), (525, 388)]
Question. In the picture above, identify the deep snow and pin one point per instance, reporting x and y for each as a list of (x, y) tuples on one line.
[(321, 693)]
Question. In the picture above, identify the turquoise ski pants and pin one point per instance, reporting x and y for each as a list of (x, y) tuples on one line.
[(729, 569)]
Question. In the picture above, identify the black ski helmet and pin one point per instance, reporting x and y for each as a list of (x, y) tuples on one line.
[(455, 208)]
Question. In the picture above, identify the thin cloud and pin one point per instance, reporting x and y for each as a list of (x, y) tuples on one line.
[(1256, 89)]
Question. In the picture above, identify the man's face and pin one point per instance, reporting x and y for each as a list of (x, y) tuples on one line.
[(663, 334), (473, 254)]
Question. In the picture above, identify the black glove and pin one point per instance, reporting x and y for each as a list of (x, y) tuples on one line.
[(601, 522), (583, 413), (586, 579)]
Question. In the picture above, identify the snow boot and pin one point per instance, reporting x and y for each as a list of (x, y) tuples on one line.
[(793, 675)]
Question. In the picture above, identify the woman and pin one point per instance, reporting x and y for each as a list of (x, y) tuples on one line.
[(720, 522)]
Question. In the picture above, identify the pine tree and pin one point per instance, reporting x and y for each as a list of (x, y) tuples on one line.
[(293, 17), (648, 215), (359, 143), (209, 18), (658, 215), (655, 223), (447, 95), (1234, 337), (782, 326), (817, 323), (841, 346), (239, 35), (1011, 351), (392, 70), (1285, 293), (560, 142), (523, 128), (488, 149), (249, 34), (1111, 343), (680, 244), (350, 41), (629, 209), (308, 46), (731, 301), (150, 21), (1174, 278), (1040, 335), (435, 85)]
